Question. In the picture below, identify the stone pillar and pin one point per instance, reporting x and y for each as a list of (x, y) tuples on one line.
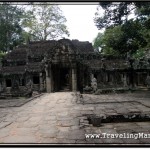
[(70, 78), (83, 77), (148, 81), (135, 79), (122, 78), (41, 82), (74, 79), (106, 77), (138, 79), (125, 80), (92, 76), (111, 77), (48, 79), (52, 81), (1, 87), (4, 84)]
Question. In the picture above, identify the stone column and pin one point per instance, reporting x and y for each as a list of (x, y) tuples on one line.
[(125, 80), (0, 86), (74, 79), (41, 82), (48, 79), (70, 78), (138, 80), (92, 76), (51, 79), (135, 79), (4, 84), (148, 80), (112, 78), (106, 77), (83, 78)]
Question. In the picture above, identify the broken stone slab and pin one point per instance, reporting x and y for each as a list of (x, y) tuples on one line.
[(63, 114), (134, 111), (81, 125), (84, 121), (66, 123), (88, 108), (64, 129), (64, 118)]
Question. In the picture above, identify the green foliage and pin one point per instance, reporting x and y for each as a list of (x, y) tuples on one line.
[(98, 41), (33, 22), (124, 35), (139, 53), (2, 54), (10, 26), (44, 22), (123, 39), (111, 41), (115, 13)]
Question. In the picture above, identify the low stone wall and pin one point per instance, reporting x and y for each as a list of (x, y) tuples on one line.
[(22, 88)]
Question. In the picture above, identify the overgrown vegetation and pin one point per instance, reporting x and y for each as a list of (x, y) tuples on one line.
[(22, 23), (127, 28)]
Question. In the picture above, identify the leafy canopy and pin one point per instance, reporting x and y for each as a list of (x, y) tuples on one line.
[(124, 34), (44, 21), (10, 26), (21, 23)]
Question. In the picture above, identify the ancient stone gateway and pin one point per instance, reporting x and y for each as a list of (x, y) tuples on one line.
[(48, 66), (61, 77), (61, 68)]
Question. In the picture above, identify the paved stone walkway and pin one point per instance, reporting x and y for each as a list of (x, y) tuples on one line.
[(55, 118)]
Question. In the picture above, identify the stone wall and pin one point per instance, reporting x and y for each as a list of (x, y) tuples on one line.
[(36, 87)]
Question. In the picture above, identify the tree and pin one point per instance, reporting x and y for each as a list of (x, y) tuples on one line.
[(45, 21), (98, 41), (110, 41), (122, 39), (10, 26), (124, 34), (118, 13)]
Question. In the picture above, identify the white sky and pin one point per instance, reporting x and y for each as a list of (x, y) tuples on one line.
[(80, 21)]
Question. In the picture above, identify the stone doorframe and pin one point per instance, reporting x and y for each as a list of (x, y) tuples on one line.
[(49, 78)]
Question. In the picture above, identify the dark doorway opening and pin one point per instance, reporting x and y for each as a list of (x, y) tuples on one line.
[(36, 80), (64, 79), (61, 78), (8, 83)]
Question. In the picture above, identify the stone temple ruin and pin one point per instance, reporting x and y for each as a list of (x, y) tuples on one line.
[(68, 65)]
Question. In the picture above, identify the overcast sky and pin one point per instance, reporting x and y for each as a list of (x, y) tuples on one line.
[(80, 21)]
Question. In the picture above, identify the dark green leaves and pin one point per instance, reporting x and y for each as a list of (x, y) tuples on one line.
[(127, 27), (10, 29)]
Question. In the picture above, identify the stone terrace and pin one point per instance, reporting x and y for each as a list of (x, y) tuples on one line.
[(56, 118)]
